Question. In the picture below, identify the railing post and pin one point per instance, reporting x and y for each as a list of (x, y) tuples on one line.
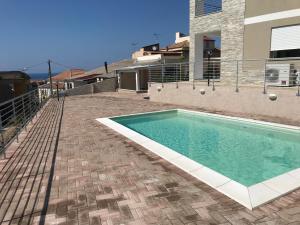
[(194, 65), (237, 77), (298, 83), (194, 86), (50, 77), (213, 76), (2, 136), (15, 118), (42, 98), (24, 114), (57, 91), (17, 122), (30, 107), (162, 75), (208, 70), (176, 75), (37, 103), (150, 76), (265, 78), (14, 110), (180, 71)]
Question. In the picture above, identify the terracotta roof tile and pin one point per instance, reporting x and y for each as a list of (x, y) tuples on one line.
[(68, 74)]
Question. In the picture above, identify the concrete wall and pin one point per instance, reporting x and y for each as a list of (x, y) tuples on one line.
[(108, 85), (250, 100), (257, 36), (257, 41), (261, 7)]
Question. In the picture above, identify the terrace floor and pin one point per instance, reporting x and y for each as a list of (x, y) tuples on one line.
[(100, 177)]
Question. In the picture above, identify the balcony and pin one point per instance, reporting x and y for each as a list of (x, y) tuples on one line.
[(206, 7)]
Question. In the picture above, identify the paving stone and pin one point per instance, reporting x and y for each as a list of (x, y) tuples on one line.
[(101, 177)]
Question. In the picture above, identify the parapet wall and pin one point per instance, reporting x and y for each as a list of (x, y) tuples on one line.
[(248, 101)]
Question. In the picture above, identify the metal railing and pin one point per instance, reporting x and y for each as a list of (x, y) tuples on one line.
[(206, 7), (15, 114), (235, 73)]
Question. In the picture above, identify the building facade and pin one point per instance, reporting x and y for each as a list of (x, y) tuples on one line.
[(13, 84), (247, 29), (276, 24), (137, 76)]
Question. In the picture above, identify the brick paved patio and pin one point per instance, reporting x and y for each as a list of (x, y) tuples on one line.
[(101, 177), (25, 172)]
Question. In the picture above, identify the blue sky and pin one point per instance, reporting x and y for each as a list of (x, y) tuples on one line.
[(84, 34)]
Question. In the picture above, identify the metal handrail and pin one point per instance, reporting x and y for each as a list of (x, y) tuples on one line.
[(229, 72), (204, 8), (18, 97), (16, 113)]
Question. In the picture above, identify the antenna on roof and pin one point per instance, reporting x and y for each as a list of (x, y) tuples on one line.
[(156, 35), (133, 45)]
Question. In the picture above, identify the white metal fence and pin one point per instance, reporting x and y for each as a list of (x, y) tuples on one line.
[(237, 73)]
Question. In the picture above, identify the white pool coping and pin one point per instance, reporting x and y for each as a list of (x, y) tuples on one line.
[(250, 197)]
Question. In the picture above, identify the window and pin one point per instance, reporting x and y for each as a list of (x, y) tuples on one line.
[(285, 42), (205, 7), (285, 53)]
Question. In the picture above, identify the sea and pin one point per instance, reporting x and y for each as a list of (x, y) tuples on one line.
[(40, 76)]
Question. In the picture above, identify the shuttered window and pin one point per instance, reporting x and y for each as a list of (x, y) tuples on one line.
[(285, 38)]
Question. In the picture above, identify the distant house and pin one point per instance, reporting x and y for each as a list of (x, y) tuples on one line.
[(75, 78), (68, 78), (98, 75), (68, 74), (13, 84), (45, 89), (104, 73), (136, 77)]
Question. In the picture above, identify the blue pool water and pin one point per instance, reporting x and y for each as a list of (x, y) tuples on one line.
[(246, 152)]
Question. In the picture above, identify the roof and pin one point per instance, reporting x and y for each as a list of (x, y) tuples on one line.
[(14, 75), (68, 74), (184, 44), (109, 75), (111, 68)]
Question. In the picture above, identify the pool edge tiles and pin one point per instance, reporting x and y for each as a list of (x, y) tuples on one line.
[(250, 197)]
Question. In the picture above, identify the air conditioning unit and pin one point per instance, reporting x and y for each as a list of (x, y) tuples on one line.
[(280, 75)]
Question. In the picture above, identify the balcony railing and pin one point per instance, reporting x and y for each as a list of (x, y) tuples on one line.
[(236, 73), (206, 7), (16, 113)]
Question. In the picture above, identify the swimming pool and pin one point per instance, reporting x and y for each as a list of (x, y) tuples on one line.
[(236, 156)]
